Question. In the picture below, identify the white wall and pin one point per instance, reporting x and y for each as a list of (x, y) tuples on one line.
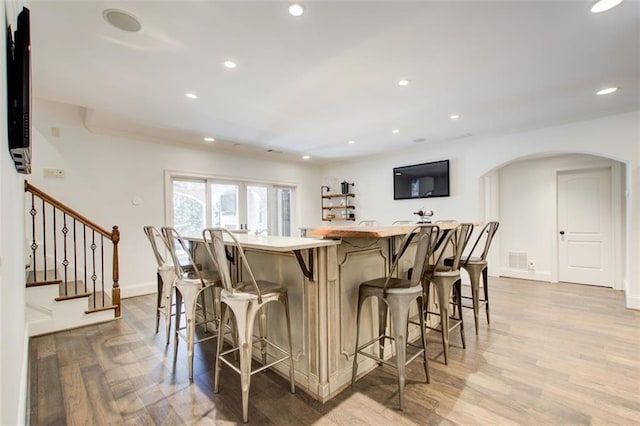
[(13, 338), (616, 137), (104, 173), (528, 195)]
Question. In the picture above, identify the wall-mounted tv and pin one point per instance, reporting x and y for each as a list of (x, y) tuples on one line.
[(19, 92), (424, 180)]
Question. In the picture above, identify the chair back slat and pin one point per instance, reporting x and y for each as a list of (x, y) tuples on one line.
[(427, 240), (174, 240), (154, 235), (215, 243), (487, 233)]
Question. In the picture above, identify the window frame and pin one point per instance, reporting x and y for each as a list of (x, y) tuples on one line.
[(242, 182)]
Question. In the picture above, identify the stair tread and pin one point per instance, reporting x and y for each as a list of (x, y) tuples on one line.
[(38, 278), (72, 288)]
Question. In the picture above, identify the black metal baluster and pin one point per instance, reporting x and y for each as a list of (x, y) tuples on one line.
[(84, 250), (93, 275), (44, 238), (102, 266), (65, 262), (55, 246), (75, 257), (34, 245)]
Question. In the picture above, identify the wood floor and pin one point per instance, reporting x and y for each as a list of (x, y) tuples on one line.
[(553, 354)]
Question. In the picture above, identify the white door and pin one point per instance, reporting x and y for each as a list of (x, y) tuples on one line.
[(584, 225)]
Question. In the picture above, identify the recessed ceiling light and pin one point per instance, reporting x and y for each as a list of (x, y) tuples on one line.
[(306, 157), (604, 5), (606, 91), (230, 64), (395, 131), (122, 20), (454, 116), (209, 139), (191, 95), (403, 82), (296, 9), (351, 142)]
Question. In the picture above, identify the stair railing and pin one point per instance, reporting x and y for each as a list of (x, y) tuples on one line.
[(68, 248)]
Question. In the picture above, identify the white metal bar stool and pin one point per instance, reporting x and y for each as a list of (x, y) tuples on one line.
[(476, 267), (398, 294), (246, 300), (189, 287), (166, 275), (447, 279)]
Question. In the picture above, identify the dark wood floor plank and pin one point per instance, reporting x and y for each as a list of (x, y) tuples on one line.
[(554, 354)]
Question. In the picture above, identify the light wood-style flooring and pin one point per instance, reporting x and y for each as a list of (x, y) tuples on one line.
[(553, 354)]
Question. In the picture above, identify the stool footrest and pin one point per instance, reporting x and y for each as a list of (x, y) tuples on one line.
[(262, 368)]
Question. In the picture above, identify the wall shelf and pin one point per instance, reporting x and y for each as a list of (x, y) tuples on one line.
[(331, 211)]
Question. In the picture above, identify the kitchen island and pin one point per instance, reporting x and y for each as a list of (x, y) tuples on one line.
[(322, 277)]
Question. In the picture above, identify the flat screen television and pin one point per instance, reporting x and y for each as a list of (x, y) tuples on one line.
[(424, 180), (19, 92)]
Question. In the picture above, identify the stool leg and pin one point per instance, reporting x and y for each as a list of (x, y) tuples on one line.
[(191, 294), (176, 336), (263, 334), (399, 319), (382, 326), (485, 279), (159, 302), (292, 373), (168, 302), (474, 277), (444, 293), (354, 372), (216, 377), (423, 334), (458, 286), (244, 322)]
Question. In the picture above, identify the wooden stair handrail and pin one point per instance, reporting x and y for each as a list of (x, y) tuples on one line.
[(49, 199), (113, 236)]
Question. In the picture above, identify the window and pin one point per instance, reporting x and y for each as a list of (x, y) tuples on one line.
[(198, 202)]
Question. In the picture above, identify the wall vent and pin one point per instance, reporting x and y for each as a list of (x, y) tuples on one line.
[(517, 260)]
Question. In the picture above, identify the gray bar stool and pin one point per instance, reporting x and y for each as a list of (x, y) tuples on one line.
[(245, 300), (477, 266), (447, 279), (189, 287), (397, 294), (165, 275)]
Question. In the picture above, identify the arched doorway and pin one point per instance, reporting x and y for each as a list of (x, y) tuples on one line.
[(524, 195)]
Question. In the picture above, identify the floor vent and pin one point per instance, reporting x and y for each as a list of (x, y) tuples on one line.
[(517, 260)]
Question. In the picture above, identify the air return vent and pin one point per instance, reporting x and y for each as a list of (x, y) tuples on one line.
[(517, 260)]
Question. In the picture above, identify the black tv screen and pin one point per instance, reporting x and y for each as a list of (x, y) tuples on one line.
[(424, 180), (19, 92)]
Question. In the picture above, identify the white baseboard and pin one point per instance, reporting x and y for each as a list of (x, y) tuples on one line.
[(633, 301), (138, 289), (526, 275)]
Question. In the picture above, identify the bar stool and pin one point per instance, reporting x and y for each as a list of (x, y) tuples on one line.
[(477, 266), (189, 287), (447, 279), (166, 275), (246, 300), (397, 294)]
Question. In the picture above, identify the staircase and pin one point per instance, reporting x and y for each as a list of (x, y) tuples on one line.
[(72, 276)]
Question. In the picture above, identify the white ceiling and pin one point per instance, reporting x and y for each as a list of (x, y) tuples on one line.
[(307, 85)]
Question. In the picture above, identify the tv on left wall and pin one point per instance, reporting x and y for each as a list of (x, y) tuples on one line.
[(19, 92)]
